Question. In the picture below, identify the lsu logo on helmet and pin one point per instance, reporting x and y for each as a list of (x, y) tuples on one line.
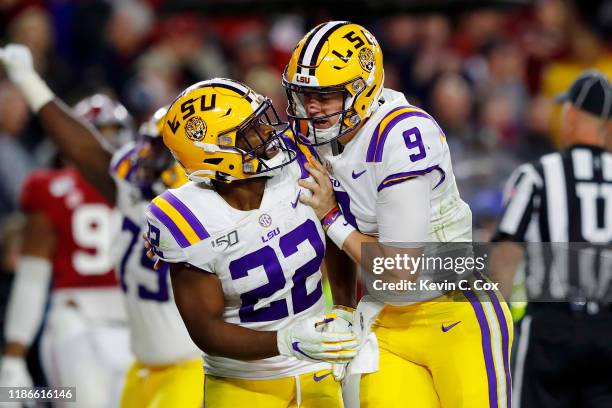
[(334, 57), (366, 59), (195, 128), (222, 130)]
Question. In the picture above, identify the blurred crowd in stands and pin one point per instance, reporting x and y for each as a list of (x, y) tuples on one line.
[(488, 75)]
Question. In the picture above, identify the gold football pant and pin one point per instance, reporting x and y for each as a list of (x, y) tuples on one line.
[(175, 385), (311, 390), (451, 352)]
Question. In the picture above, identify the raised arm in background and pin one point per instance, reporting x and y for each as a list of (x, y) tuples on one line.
[(77, 140)]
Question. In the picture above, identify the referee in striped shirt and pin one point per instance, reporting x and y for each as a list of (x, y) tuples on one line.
[(557, 222)]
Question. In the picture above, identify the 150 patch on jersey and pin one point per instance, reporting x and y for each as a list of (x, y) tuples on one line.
[(225, 241)]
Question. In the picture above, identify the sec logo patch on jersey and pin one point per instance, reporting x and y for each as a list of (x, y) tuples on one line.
[(265, 220)]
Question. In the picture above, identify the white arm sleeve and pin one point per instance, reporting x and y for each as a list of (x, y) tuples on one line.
[(26, 303), (403, 211)]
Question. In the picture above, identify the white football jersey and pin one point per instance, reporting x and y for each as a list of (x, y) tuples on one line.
[(267, 260), (158, 334), (398, 142)]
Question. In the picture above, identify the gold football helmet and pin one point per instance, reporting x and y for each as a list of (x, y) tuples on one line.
[(222, 130), (334, 57), (156, 168)]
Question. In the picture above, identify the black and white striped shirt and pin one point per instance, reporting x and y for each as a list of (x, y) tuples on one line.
[(565, 200)]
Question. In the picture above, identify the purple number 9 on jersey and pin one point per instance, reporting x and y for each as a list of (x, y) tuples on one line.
[(413, 140)]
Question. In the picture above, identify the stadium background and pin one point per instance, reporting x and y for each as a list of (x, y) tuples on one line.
[(487, 71)]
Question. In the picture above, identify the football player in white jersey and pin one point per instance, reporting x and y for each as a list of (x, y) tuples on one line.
[(245, 254), (391, 171), (168, 370)]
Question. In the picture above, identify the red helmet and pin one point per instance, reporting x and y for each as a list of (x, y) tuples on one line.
[(110, 117)]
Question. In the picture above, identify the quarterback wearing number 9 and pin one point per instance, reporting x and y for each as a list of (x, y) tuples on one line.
[(392, 175), (245, 254)]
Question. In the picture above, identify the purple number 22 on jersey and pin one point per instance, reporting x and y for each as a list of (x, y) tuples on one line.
[(266, 257)]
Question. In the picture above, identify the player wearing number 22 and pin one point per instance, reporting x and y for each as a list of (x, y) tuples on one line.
[(391, 171), (245, 254)]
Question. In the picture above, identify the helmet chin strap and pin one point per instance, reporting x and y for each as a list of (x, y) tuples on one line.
[(323, 135), (199, 176), (278, 160)]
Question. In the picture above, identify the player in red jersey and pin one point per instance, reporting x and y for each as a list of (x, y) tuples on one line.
[(168, 368), (67, 245)]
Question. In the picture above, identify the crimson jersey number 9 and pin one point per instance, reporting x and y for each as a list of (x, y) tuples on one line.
[(93, 230)]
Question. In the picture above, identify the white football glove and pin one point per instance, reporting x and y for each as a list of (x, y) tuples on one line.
[(17, 61), (343, 322), (14, 372), (310, 339)]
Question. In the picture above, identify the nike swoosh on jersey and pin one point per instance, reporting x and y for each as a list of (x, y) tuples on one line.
[(297, 199), (447, 328), (357, 175), (319, 378)]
